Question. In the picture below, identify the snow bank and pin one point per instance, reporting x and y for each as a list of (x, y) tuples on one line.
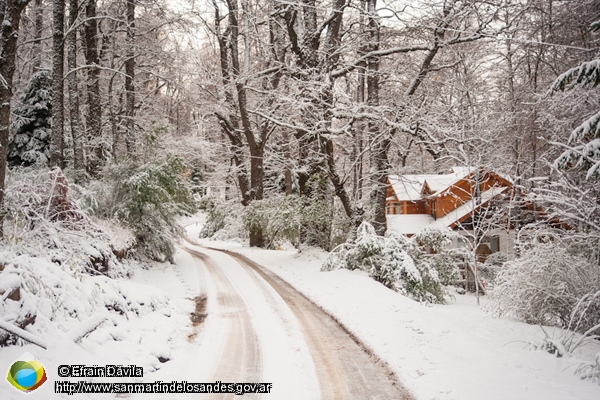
[(88, 320)]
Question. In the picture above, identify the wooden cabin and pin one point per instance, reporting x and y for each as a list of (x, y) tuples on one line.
[(448, 201)]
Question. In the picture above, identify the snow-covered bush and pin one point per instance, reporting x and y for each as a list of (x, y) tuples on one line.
[(492, 266), (553, 282), (431, 246), (591, 370), (223, 219), (277, 217), (49, 297), (43, 219), (148, 198), (393, 260)]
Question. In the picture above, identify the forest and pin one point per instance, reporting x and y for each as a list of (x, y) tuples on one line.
[(282, 120)]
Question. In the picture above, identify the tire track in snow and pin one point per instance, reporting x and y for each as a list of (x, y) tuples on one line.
[(346, 369), (239, 355)]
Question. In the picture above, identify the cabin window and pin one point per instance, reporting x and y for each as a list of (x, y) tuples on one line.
[(495, 244), (398, 208)]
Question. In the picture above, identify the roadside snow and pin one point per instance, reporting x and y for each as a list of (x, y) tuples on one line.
[(94, 320), (443, 352), (453, 351)]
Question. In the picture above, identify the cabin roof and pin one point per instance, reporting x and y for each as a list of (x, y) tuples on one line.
[(412, 187), (410, 224)]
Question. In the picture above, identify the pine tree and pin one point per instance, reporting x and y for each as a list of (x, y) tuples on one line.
[(584, 141), (29, 142)]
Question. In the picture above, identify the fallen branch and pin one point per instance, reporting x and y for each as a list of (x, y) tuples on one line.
[(28, 337), (86, 327)]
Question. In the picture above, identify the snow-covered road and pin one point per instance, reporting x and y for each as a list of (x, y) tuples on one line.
[(260, 329)]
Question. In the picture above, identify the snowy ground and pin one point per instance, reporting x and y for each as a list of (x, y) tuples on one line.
[(453, 351), (153, 323)]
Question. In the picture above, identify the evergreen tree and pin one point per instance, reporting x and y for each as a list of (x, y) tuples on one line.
[(29, 142), (584, 141)]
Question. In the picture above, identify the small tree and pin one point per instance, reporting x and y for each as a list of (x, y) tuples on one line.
[(29, 142)]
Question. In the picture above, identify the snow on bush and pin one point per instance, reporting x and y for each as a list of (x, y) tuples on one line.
[(64, 296), (546, 283), (555, 282), (57, 270), (277, 217), (399, 263), (223, 219), (148, 198), (280, 217), (44, 220)]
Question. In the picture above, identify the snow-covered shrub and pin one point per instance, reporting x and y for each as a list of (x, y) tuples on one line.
[(223, 219), (43, 219), (430, 246), (57, 294), (590, 371), (317, 211), (492, 266), (388, 260), (278, 217), (434, 240), (148, 198), (553, 283)]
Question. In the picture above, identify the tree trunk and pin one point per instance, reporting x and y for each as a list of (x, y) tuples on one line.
[(39, 27), (57, 138), (10, 15), (257, 177), (129, 77), (73, 81), (379, 141), (94, 110)]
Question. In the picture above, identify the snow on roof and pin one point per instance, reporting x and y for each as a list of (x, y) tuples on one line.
[(409, 224), (410, 187), (468, 207)]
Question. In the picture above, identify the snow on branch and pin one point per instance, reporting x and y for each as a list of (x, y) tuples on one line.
[(28, 337), (585, 74), (86, 327)]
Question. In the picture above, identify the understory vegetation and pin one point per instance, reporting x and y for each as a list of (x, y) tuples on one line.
[(131, 210), (281, 219), (418, 267), (553, 282)]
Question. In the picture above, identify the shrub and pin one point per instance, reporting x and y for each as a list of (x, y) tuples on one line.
[(394, 260), (148, 198), (223, 219), (278, 217), (43, 219), (548, 283)]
